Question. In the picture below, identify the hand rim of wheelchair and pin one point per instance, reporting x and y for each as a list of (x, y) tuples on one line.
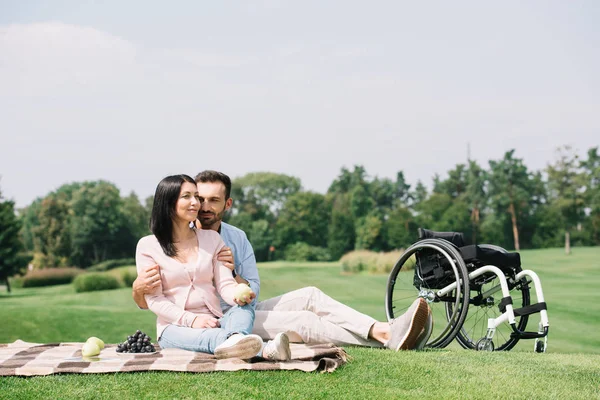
[(454, 316)]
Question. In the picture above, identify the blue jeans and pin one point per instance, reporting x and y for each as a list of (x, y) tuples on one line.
[(236, 320)]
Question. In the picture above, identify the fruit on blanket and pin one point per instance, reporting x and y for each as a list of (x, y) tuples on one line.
[(139, 342), (90, 349), (242, 292), (98, 342)]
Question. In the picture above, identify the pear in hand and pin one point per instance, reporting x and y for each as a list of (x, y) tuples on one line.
[(242, 292)]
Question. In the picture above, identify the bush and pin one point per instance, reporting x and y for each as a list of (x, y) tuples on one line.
[(369, 261), (50, 276), (95, 281), (301, 251), (110, 264), (128, 276), (16, 282), (125, 275), (41, 261)]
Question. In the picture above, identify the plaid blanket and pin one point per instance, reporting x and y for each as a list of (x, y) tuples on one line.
[(29, 359)]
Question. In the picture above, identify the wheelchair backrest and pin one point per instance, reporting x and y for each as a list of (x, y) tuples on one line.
[(456, 238)]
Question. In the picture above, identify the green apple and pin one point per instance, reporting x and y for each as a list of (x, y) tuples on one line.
[(98, 342), (241, 292), (90, 349)]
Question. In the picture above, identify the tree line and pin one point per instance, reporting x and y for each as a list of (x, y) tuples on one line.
[(504, 203)]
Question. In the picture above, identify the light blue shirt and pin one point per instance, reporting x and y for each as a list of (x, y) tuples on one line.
[(243, 257)]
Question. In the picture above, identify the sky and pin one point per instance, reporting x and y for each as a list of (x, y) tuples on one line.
[(133, 91)]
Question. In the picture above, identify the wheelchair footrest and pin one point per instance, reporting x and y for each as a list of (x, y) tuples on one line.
[(528, 335), (530, 309)]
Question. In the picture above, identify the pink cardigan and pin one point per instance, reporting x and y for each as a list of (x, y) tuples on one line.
[(186, 288)]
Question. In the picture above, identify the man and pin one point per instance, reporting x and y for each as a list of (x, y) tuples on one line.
[(307, 315)]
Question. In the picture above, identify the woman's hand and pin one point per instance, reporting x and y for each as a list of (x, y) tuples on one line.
[(246, 299), (205, 321)]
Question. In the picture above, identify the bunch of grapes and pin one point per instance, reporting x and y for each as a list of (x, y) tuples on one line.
[(139, 342)]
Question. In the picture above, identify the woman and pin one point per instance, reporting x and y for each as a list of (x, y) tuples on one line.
[(189, 314)]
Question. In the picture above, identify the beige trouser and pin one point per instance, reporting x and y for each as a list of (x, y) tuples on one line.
[(308, 315)]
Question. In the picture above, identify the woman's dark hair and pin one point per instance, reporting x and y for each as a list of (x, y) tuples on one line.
[(163, 210)]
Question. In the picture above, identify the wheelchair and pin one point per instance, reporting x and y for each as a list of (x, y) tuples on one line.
[(478, 294)]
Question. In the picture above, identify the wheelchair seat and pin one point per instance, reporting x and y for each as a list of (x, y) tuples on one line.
[(481, 255), (475, 254)]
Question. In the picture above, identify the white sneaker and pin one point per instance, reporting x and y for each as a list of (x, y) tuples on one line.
[(239, 346), (278, 349)]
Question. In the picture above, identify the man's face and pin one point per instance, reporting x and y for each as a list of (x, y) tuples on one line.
[(212, 203)]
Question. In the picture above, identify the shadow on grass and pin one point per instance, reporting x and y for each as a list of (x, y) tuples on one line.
[(14, 295)]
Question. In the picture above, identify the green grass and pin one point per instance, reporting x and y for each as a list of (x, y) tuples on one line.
[(568, 370)]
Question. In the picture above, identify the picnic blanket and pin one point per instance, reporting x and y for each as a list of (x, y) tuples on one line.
[(30, 359)]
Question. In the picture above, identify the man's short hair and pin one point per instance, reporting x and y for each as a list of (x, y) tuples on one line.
[(215, 176)]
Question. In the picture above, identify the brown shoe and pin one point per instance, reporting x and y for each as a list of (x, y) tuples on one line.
[(407, 328)]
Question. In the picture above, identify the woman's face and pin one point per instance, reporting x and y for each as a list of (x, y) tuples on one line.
[(188, 203)]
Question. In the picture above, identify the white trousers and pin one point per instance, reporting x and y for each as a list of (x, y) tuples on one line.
[(310, 316)]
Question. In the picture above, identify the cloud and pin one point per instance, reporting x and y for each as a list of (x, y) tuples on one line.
[(41, 59)]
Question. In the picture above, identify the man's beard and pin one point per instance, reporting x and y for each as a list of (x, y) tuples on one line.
[(208, 222)]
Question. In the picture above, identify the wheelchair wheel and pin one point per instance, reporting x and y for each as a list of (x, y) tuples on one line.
[(481, 309), (423, 270)]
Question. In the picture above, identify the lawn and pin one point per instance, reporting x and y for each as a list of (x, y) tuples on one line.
[(568, 370)]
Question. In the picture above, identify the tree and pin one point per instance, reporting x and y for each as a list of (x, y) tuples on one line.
[(262, 194), (347, 180), (261, 237), (591, 178), (98, 226), (343, 183), (52, 240), (419, 195), (304, 218), (511, 190), (456, 183), (400, 229), (136, 220), (368, 230), (361, 202), (12, 260), (565, 182), (402, 193), (383, 194), (456, 218), (341, 235), (475, 196), (29, 220), (137, 216), (431, 211)]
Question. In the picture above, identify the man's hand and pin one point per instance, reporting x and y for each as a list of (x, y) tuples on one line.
[(226, 257), (145, 283), (205, 321), (150, 280)]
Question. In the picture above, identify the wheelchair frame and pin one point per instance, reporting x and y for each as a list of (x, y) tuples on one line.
[(442, 276)]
